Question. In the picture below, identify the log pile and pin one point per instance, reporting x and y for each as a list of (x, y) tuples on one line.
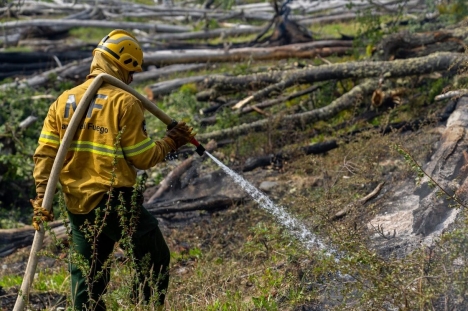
[(165, 29)]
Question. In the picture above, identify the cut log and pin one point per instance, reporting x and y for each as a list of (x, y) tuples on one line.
[(304, 50), (177, 172), (200, 204), (166, 87), (28, 32), (208, 34), (253, 163), (277, 159), (77, 72), (12, 239), (319, 148), (27, 122), (155, 74), (90, 23), (323, 20), (406, 44), (171, 177), (452, 94)]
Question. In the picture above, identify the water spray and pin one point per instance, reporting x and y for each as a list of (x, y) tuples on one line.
[(65, 143)]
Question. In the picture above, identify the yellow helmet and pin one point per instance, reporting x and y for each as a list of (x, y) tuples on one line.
[(124, 47)]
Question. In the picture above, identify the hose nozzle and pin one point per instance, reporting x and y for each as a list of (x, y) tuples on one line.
[(200, 149)]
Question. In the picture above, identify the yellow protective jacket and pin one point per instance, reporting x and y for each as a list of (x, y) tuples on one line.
[(87, 172)]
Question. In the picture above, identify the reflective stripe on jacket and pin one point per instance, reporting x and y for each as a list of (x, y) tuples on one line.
[(87, 172)]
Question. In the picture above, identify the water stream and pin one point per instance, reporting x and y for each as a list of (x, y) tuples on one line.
[(295, 227)]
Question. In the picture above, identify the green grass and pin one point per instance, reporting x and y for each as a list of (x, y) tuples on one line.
[(334, 30), (18, 49), (57, 281), (8, 281), (89, 34)]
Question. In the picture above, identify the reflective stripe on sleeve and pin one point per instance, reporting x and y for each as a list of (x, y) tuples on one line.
[(48, 137), (141, 147), (96, 148)]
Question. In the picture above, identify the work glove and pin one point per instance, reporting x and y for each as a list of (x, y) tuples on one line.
[(40, 214), (180, 134)]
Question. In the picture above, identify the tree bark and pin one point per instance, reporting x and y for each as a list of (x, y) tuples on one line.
[(319, 148), (12, 239), (276, 101), (387, 69), (23, 63), (208, 34), (166, 87), (347, 100), (43, 78), (92, 23), (406, 44), (304, 50), (165, 71), (177, 172), (200, 204), (13, 39)]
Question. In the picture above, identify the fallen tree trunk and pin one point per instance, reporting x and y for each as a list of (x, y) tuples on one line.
[(272, 102), (257, 108), (43, 78), (303, 50), (51, 46), (161, 72), (166, 87), (80, 71), (13, 39), (208, 34), (22, 63), (92, 23), (12, 239), (347, 100), (177, 172), (406, 44), (398, 68), (322, 20), (277, 159), (77, 72), (200, 204), (319, 148)]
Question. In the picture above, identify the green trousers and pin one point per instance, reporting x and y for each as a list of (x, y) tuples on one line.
[(94, 242)]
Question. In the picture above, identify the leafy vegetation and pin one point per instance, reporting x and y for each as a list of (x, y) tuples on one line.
[(241, 259), (18, 144)]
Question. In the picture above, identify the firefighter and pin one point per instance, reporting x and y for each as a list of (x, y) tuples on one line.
[(99, 173)]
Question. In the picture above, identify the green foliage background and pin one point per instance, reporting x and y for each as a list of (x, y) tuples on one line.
[(18, 145)]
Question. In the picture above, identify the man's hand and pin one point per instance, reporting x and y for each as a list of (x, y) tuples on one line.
[(180, 134), (40, 213)]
